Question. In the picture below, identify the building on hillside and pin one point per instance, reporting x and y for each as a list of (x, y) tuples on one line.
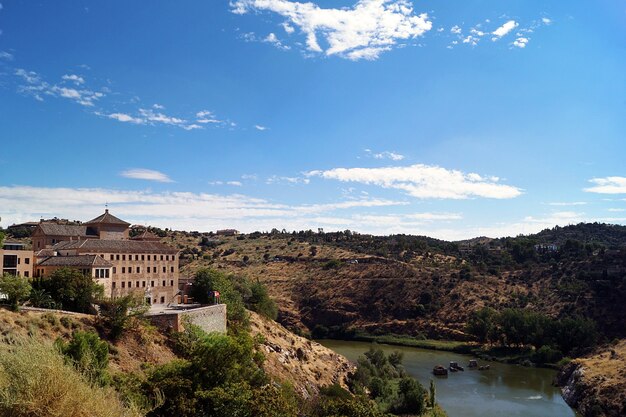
[(227, 232), (141, 265), (16, 260)]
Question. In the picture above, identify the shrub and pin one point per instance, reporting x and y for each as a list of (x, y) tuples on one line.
[(89, 355), (118, 315)]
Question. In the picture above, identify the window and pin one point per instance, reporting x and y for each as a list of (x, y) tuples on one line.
[(149, 259), (27, 261), (164, 283), (143, 257), (123, 270), (123, 284), (123, 257), (106, 273), (136, 257), (172, 269), (137, 284), (143, 283), (152, 285), (139, 270), (171, 283), (161, 257), (113, 285), (164, 270), (117, 257), (18, 261), (26, 274), (112, 256), (114, 270), (130, 284), (162, 300)]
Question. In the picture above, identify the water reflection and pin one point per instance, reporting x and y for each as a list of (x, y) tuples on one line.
[(503, 390)]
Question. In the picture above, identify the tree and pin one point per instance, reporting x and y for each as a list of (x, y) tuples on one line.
[(410, 397), (71, 289), (118, 315), (16, 289), (208, 280), (89, 355), (481, 324), (432, 393)]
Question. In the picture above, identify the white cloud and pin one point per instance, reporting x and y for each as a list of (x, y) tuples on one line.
[(145, 174), (234, 183), (546, 21), (360, 32), (521, 42), (424, 181), (4, 55), (288, 28), (259, 127), (455, 30), (275, 179), (76, 79), (38, 88), (123, 117), (158, 106), (504, 29), (608, 185), (273, 39), (394, 156), (616, 210), (573, 203)]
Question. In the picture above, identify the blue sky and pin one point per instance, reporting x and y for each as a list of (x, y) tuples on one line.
[(450, 119)]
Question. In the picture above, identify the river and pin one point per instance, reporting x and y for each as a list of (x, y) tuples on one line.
[(504, 390)]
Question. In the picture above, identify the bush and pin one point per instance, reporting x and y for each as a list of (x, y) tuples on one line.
[(410, 397), (547, 354), (89, 355)]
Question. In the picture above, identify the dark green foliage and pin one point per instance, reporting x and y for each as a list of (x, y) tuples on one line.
[(236, 292), (378, 373), (89, 354), (410, 398), (519, 327), (70, 289), (117, 315), (358, 406), (15, 288), (40, 298)]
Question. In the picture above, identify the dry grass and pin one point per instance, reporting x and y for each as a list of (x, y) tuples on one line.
[(35, 382)]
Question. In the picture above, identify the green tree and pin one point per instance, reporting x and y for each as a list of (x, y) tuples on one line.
[(118, 315), (410, 397), (208, 280), (16, 289), (481, 324), (71, 289), (432, 392), (261, 302)]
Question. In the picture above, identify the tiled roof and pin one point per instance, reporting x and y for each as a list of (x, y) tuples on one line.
[(114, 246), (79, 260), (107, 218), (146, 235), (44, 253), (54, 229)]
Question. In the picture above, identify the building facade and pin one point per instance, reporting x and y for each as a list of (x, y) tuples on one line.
[(16, 260), (142, 265)]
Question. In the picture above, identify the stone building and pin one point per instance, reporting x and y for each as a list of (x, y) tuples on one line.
[(141, 265)]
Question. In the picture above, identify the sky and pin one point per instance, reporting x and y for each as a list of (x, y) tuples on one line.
[(447, 119)]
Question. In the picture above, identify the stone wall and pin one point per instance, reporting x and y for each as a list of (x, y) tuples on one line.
[(209, 318)]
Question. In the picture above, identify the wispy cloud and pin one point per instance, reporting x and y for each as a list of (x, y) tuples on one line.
[(36, 87), (145, 174), (566, 203), (424, 181), (363, 31), (6, 56), (259, 127), (608, 185), (275, 179), (394, 156), (76, 79)]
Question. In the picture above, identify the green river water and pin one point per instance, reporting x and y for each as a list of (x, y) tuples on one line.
[(504, 390)]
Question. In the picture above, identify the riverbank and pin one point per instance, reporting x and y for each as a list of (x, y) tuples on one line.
[(508, 355)]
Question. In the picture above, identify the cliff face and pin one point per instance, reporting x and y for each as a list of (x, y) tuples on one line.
[(596, 385), (305, 364)]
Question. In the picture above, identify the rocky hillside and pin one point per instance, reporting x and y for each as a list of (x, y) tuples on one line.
[(289, 358), (329, 288), (596, 384)]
